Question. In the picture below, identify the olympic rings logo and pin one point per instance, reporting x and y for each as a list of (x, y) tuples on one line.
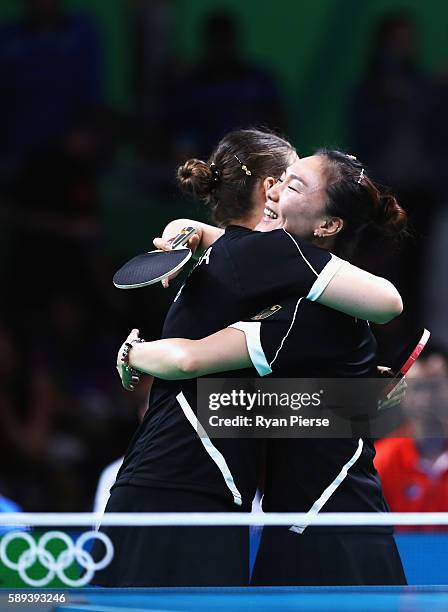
[(74, 551)]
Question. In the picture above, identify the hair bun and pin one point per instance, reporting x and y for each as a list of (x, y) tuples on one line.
[(195, 178), (390, 217)]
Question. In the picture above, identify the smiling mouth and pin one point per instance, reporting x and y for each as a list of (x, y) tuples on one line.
[(270, 213)]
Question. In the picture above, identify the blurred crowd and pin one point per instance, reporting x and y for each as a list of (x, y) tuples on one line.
[(413, 461), (63, 414)]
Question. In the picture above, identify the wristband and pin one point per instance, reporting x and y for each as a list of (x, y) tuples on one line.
[(127, 350)]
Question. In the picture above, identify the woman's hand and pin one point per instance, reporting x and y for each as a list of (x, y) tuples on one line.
[(392, 397), (204, 237), (129, 376), (165, 245)]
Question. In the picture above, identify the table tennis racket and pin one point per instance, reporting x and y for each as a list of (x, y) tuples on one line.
[(149, 268), (407, 356)]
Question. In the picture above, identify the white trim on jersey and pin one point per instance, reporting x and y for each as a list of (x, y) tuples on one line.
[(325, 277), (319, 503), (287, 333), (214, 453), (251, 331), (300, 251), (257, 355)]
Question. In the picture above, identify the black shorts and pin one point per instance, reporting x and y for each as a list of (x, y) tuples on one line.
[(318, 558), (172, 556)]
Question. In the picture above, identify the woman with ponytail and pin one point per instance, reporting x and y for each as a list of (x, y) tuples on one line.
[(353, 197)]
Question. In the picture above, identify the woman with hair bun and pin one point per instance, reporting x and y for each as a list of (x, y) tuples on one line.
[(168, 467), (229, 186)]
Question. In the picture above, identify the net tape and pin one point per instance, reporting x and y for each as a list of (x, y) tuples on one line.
[(155, 519)]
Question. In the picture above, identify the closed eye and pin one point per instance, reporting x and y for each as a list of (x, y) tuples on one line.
[(282, 179), (297, 189)]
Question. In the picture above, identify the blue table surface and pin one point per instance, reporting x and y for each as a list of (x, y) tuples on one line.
[(255, 599)]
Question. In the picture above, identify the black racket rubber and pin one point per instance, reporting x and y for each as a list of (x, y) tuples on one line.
[(149, 268)]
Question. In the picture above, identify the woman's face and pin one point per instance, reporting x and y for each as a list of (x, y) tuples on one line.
[(296, 202)]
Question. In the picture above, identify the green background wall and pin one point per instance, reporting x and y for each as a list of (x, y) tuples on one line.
[(316, 49)]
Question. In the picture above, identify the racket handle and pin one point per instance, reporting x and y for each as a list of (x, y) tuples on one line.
[(389, 389), (182, 237)]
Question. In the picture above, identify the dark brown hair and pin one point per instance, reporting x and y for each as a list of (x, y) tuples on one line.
[(226, 181), (359, 202)]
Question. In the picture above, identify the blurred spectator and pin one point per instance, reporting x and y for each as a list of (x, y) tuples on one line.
[(439, 131), (50, 82), (414, 469), (153, 74), (92, 422), (108, 475), (7, 505), (435, 286), (106, 480), (63, 413), (222, 92), (392, 107), (27, 406), (50, 95), (392, 132)]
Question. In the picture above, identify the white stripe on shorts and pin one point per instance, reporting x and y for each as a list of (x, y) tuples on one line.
[(214, 453)]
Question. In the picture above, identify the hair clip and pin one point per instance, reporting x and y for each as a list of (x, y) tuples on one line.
[(244, 168), (361, 176), (215, 172), (353, 157)]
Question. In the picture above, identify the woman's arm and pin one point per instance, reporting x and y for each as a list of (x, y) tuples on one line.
[(178, 358), (351, 290), (361, 294)]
